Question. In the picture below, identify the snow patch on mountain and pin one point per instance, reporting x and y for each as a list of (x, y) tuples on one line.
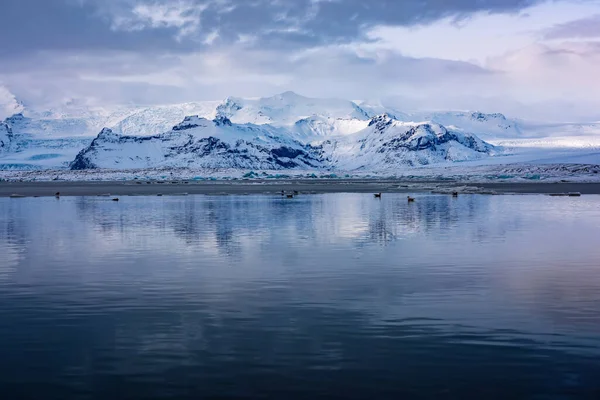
[(150, 120), (318, 127), (286, 109)]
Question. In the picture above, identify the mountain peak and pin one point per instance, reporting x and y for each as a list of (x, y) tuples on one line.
[(222, 120), (289, 95), (189, 122), (381, 122), (479, 116), (105, 132), (15, 118)]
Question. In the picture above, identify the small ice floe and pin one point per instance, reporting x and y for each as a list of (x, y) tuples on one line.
[(104, 195), (16, 196)]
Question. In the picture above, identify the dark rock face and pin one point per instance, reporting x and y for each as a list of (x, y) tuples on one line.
[(486, 117), (381, 122), (6, 136), (424, 137), (190, 123), (15, 119), (82, 162), (228, 108), (221, 120)]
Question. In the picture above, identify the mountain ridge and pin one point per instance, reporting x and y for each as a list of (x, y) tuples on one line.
[(219, 143)]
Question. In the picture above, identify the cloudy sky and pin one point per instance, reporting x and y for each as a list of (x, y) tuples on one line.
[(523, 57)]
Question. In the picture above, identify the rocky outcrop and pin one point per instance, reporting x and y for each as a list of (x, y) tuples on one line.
[(6, 137)]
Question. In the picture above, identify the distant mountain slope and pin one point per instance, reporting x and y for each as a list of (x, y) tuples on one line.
[(485, 125), (286, 109), (49, 127), (150, 120)]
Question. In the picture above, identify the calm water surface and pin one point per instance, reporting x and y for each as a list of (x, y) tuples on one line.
[(335, 295)]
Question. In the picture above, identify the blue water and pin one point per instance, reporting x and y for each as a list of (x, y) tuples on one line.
[(333, 296)]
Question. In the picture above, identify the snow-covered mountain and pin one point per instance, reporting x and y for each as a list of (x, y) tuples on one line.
[(248, 133), (202, 143), (389, 143), (487, 126)]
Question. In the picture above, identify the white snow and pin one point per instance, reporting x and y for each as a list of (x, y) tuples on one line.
[(287, 108), (52, 139)]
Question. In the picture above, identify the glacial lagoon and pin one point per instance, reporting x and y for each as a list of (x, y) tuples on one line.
[(337, 295)]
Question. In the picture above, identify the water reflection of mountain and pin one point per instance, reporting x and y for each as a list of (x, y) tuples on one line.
[(460, 242), (322, 219)]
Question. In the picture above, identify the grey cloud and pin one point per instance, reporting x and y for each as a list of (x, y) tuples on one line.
[(116, 77), (581, 28), (33, 25), (30, 26)]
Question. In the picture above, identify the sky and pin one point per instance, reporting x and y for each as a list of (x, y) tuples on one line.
[(525, 58)]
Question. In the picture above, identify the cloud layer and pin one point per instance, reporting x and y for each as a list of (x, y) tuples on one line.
[(501, 55)]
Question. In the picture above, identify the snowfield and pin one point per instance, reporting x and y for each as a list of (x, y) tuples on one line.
[(290, 134)]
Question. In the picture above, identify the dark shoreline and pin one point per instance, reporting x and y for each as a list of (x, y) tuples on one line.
[(142, 188)]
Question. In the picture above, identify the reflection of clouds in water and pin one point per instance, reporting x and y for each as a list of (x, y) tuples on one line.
[(372, 256)]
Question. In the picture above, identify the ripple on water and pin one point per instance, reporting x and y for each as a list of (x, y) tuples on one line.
[(331, 295)]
